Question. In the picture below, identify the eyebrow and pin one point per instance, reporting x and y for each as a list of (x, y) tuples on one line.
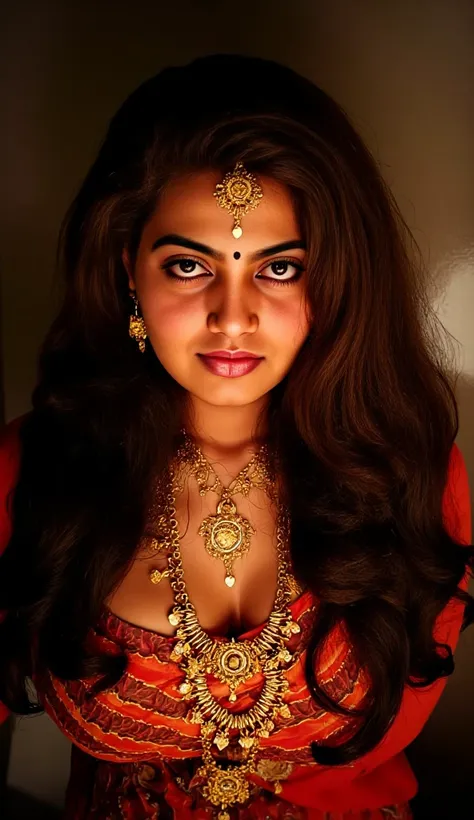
[(199, 247)]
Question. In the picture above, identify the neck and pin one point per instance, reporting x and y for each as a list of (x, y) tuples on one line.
[(226, 431)]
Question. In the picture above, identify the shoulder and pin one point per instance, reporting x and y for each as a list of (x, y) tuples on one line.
[(458, 523), (10, 438), (456, 499), (10, 450)]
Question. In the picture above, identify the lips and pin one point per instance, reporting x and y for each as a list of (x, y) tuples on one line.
[(227, 354), (225, 366)]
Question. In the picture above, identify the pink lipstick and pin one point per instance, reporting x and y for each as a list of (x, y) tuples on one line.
[(230, 367)]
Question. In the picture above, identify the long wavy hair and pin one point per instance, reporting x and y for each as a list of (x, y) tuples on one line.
[(364, 422)]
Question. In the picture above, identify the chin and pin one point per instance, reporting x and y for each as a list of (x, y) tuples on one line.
[(229, 395)]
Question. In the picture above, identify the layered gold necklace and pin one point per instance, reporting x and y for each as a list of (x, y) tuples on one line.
[(232, 662)]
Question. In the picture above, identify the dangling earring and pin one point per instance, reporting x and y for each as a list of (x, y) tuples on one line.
[(137, 329)]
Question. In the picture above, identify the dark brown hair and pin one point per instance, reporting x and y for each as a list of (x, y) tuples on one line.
[(365, 420)]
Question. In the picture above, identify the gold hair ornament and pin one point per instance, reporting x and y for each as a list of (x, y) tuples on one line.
[(238, 193), (137, 329)]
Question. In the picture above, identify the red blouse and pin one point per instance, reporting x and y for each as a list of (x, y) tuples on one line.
[(134, 754)]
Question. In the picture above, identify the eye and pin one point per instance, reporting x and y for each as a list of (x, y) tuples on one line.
[(280, 267), (174, 268)]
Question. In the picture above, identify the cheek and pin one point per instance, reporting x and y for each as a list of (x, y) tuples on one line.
[(169, 319), (289, 324)]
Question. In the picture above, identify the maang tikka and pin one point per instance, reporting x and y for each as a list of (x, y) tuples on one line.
[(136, 328), (238, 193)]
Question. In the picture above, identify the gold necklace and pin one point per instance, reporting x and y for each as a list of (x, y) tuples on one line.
[(226, 534), (232, 662)]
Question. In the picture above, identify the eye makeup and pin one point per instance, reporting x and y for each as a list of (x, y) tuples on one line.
[(188, 261)]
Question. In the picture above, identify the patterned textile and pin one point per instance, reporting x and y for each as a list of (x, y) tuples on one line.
[(147, 753)]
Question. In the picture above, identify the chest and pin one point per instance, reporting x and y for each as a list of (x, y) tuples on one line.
[(144, 716), (221, 610)]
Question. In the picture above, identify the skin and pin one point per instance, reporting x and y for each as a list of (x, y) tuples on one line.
[(228, 307)]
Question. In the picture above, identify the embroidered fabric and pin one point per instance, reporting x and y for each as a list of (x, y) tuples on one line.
[(135, 755)]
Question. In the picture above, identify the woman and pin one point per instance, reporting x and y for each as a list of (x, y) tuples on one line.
[(236, 527)]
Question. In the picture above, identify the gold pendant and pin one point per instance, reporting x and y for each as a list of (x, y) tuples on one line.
[(233, 663), (226, 535), (156, 575), (224, 787), (221, 740)]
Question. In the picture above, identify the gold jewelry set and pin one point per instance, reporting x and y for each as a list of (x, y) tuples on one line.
[(238, 193), (232, 662), (227, 537)]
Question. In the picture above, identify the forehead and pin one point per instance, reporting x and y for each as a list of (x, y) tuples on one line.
[(187, 206)]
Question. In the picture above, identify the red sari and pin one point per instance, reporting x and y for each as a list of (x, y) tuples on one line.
[(134, 754)]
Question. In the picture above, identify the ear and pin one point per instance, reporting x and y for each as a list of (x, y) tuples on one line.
[(128, 268)]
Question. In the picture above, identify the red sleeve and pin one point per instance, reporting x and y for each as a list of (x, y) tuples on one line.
[(9, 464), (418, 704)]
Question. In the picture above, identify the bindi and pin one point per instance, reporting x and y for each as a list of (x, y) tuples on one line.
[(237, 255)]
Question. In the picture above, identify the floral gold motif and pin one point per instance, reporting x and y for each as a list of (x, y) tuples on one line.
[(238, 193), (226, 535), (224, 787), (233, 664)]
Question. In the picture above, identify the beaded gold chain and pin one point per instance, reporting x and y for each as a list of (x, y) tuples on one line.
[(232, 662)]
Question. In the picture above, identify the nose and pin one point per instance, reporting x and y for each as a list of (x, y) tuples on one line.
[(233, 309)]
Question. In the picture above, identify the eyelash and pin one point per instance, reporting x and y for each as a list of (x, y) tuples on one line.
[(183, 280)]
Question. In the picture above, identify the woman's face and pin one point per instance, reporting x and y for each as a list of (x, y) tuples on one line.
[(230, 292)]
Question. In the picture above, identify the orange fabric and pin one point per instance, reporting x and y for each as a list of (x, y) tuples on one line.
[(135, 755)]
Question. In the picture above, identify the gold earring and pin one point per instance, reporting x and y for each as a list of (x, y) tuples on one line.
[(136, 328), (239, 192)]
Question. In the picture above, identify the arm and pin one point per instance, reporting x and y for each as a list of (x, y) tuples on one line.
[(418, 704)]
